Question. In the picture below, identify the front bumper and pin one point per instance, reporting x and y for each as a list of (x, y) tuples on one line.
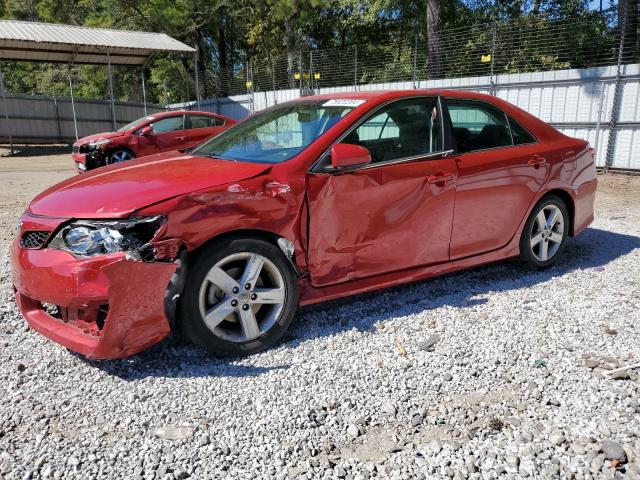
[(88, 161), (107, 306)]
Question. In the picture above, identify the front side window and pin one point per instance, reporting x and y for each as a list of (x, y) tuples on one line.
[(478, 125), (135, 123), (169, 124), (402, 129), (277, 134)]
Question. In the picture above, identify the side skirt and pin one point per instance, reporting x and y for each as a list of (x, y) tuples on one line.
[(311, 295)]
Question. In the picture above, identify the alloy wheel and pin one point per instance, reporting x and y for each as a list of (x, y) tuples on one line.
[(120, 156), (242, 297), (547, 233)]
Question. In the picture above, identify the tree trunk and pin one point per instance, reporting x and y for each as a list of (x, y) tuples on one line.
[(435, 55), (536, 7), (223, 60), (292, 58)]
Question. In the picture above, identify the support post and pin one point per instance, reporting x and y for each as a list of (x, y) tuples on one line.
[(301, 74), (273, 82), (415, 60), (613, 118), (58, 126), (6, 111), (113, 105), (599, 121), (73, 103), (197, 77), (166, 94), (493, 54), (144, 94), (355, 68), (311, 81)]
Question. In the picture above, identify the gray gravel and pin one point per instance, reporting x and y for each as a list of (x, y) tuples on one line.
[(495, 371)]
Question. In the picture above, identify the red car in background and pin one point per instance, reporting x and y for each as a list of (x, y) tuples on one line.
[(308, 201), (157, 133)]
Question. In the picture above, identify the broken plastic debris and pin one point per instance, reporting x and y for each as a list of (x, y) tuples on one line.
[(622, 372), (541, 362), (175, 432), (400, 347), (429, 343)]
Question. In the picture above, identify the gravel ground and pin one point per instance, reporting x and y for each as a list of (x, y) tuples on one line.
[(513, 386)]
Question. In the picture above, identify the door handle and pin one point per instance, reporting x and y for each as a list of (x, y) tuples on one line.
[(180, 138), (536, 161), (441, 178)]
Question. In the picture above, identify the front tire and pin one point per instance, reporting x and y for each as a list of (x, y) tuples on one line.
[(545, 233), (240, 297), (121, 155)]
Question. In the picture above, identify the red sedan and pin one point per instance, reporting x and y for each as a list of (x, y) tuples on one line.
[(308, 201), (160, 132)]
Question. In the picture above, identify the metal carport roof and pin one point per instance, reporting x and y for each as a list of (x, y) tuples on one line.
[(48, 42), (59, 43)]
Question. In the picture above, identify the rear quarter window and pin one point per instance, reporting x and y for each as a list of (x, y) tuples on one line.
[(520, 134)]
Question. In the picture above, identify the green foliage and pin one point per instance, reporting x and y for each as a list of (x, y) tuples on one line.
[(269, 35)]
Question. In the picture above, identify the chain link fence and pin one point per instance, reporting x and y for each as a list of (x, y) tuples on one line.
[(527, 44), (473, 56)]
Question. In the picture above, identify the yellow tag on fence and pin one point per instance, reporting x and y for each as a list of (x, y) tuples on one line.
[(316, 76), (296, 76), (249, 84), (485, 58)]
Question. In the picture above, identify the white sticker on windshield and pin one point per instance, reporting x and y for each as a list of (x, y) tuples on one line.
[(343, 102)]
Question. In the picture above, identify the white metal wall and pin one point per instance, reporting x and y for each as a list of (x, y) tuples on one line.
[(50, 120), (577, 102)]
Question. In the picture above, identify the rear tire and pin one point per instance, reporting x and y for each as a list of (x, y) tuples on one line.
[(240, 297), (545, 233)]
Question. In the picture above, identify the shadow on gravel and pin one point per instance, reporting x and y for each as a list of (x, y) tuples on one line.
[(175, 358), (593, 249)]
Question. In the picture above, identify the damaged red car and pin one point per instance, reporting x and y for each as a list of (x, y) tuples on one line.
[(160, 132), (308, 201)]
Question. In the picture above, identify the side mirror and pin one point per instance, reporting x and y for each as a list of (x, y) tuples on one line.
[(345, 156), (146, 130)]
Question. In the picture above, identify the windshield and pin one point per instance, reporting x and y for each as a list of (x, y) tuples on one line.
[(277, 134), (135, 123)]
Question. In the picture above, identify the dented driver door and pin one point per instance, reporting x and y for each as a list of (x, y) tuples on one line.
[(379, 219), (393, 213)]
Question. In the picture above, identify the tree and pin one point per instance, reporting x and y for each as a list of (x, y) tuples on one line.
[(435, 55), (628, 18)]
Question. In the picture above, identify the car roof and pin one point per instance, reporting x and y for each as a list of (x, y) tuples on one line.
[(540, 129), (185, 112), (392, 94)]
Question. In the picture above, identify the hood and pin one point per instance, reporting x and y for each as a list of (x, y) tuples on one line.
[(98, 136), (118, 190)]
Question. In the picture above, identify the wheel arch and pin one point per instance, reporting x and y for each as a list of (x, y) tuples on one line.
[(255, 233), (566, 197)]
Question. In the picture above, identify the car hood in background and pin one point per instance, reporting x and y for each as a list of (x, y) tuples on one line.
[(118, 190), (98, 136)]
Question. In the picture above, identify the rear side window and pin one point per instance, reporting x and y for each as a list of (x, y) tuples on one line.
[(520, 135), (168, 124), (402, 129), (478, 125), (201, 121)]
